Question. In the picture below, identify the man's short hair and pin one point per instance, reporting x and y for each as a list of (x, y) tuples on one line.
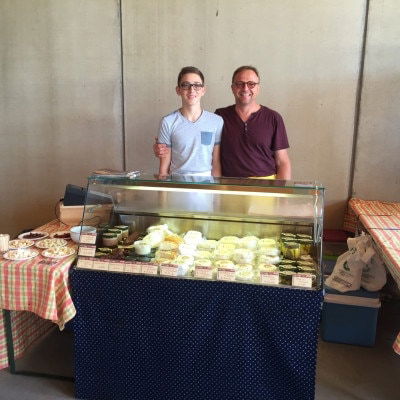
[(244, 68), (190, 70)]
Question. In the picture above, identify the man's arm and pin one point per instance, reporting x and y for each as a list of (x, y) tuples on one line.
[(216, 161), (283, 165)]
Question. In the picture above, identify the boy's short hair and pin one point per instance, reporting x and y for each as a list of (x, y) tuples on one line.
[(190, 70)]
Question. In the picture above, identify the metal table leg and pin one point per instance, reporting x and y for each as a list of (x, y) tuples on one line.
[(11, 353), (9, 340)]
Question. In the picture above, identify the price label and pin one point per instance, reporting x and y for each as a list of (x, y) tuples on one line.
[(149, 269), (101, 265), (88, 238), (169, 270), (226, 274), (133, 268), (116, 266), (302, 280), (86, 263), (269, 278), (203, 272), (87, 251)]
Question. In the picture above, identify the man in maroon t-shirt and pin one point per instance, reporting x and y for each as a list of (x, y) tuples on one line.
[(254, 141)]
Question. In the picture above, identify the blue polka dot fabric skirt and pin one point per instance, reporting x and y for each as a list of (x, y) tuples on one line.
[(142, 337)]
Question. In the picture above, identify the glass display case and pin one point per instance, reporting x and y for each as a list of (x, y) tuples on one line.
[(262, 232)]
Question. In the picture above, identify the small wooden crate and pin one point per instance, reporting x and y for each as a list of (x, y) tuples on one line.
[(95, 214)]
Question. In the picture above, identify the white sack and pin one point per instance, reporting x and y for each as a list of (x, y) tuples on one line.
[(348, 269), (373, 276)]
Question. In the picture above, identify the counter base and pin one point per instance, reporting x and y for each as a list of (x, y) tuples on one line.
[(141, 337)]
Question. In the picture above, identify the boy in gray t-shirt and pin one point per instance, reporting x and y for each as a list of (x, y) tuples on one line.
[(192, 134)]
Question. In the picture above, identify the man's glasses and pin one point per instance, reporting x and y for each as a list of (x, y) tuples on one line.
[(241, 85), (188, 86)]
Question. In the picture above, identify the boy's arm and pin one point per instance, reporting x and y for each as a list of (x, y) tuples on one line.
[(159, 149), (165, 163), (216, 161), (164, 138)]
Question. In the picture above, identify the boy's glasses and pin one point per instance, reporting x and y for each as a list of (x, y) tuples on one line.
[(188, 86), (241, 85)]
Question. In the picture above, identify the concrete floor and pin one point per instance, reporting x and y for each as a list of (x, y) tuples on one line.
[(344, 372)]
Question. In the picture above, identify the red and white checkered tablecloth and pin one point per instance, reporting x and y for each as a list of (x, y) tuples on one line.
[(38, 285), (382, 221), (357, 207)]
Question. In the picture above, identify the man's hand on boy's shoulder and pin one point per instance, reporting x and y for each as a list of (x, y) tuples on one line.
[(160, 150)]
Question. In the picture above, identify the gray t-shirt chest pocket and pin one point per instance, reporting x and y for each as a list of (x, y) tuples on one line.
[(206, 138)]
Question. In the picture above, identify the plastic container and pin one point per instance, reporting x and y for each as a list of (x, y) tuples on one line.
[(142, 248), (75, 231), (110, 239), (350, 317)]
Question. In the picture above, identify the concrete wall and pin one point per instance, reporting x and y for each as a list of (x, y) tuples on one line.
[(62, 71), (60, 112), (377, 165), (308, 54)]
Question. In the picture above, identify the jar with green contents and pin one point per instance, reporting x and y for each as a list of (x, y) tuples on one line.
[(284, 241), (305, 246), (118, 232), (105, 250), (306, 270), (286, 261), (124, 229), (292, 250), (282, 245), (110, 239), (288, 236), (303, 236), (101, 228), (287, 267)]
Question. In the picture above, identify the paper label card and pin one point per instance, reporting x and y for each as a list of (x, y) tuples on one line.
[(302, 280), (169, 270), (226, 274), (86, 263), (101, 265), (269, 278), (203, 272), (88, 238), (116, 266), (87, 251), (133, 268), (149, 269)]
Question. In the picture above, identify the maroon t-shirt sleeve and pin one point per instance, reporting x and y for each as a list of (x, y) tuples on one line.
[(280, 140)]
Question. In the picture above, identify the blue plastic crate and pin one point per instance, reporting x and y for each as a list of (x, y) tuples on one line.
[(350, 317)]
